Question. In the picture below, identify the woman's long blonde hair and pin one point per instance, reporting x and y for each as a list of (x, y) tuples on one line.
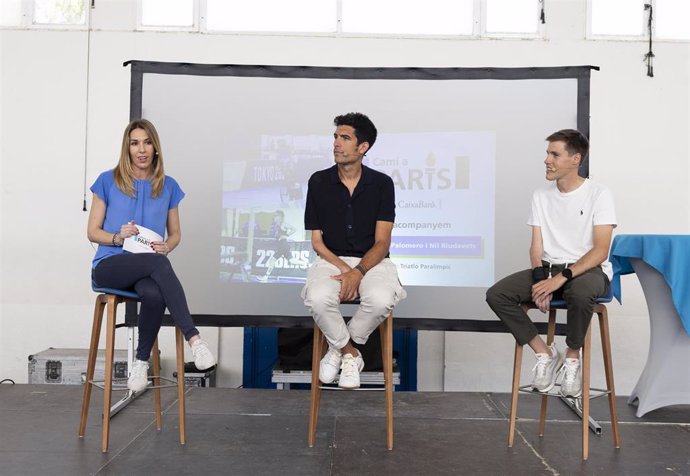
[(124, 175)]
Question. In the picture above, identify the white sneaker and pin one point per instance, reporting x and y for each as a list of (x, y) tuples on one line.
[(349, 371), (545, 370), (571, 385), (330, 365), (139, 376), (203, 358)]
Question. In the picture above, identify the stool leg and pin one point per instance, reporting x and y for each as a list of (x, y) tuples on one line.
[(386, 330), (179, 341), (91, 364), (586, 359), (550, 334), (517, 363), (157, 383), (108, 377), (608, 369), (316, 354)]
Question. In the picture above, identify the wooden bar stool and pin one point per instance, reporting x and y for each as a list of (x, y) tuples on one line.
[(111, 298), (319, 350), (599, 310)]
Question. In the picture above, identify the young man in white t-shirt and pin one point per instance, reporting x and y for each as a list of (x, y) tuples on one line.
[(572, 222)]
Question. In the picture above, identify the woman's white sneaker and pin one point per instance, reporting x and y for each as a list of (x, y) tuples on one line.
[(203, 358)]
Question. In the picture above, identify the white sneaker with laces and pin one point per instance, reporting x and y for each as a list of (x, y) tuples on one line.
[(571, 385), (546, 370), (139, 376), (330, 365), (349, 371), (203, 358)]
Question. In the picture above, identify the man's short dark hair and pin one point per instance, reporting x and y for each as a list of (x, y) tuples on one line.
[(575, 141), (365, 130)]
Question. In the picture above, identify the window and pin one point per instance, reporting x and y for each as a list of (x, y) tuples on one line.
[(10, 12), (617, 17), (416, 17), (672, 19), (629, 18), (59, 12), (512, 16), (409, 18), (311, 16), (168, 13)]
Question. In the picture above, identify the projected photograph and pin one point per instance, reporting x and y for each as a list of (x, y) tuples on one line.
[(263, 238), (444, 231)]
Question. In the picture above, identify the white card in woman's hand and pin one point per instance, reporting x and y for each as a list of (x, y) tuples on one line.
[(141, 243)]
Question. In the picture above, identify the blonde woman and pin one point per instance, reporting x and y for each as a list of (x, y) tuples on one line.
[(137, 192)]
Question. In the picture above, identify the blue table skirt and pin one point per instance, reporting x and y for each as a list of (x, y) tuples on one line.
[(668, 254)]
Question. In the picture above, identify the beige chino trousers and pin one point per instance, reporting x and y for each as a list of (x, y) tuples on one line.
[(379, 291)]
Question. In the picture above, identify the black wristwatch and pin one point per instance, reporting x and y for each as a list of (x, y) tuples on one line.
[(567, 274)]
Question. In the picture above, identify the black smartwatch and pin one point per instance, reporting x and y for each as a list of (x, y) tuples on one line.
[(567, 274)]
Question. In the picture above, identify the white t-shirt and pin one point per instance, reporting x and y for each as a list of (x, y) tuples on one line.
[(567, 220)]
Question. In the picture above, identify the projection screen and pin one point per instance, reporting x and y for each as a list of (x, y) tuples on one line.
[(464, 146)]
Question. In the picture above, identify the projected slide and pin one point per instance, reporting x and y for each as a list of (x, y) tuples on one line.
[(444, 190), (464, 147), (444, 231)]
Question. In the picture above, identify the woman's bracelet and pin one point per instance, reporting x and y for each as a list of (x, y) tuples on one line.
[(119, 239)]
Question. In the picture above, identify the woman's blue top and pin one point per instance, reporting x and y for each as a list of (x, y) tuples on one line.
[(142, 208)]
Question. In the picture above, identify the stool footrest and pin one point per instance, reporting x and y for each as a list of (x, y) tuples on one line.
[(115, 386), (358, 389), (119, 386), (593, 392)]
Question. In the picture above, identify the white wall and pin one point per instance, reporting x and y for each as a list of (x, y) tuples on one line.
[(640, 148), (2, 154)]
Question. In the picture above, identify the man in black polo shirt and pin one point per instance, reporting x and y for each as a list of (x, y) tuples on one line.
[(350, 210)]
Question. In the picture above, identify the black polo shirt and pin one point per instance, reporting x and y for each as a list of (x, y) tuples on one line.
[(348, 223)]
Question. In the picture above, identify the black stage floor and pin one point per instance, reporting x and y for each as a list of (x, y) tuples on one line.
[(264, 432)]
